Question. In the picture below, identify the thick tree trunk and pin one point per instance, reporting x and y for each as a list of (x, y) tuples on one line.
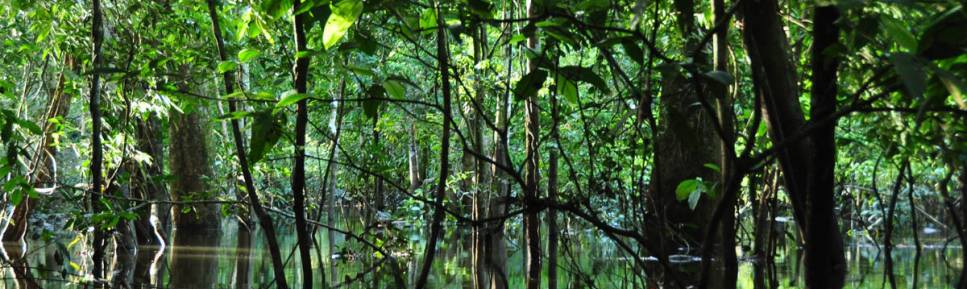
[(685, 143), (191, 170), (265, 221)]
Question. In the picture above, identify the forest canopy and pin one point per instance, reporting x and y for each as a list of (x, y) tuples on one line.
[(483, 143)]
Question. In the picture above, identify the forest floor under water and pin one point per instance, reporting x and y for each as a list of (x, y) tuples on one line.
[(236, 258)]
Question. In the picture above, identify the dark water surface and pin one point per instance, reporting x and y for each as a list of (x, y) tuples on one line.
[(234, 258)]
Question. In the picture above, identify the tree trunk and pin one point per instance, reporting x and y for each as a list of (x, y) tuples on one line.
[(96, 154), (265, 221)]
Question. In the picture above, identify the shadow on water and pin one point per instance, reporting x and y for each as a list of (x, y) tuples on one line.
[(235, 257)]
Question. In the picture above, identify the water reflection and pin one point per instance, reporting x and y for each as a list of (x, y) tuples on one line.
[(235, 257)]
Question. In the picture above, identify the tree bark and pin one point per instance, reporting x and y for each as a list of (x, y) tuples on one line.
[(265, 221)]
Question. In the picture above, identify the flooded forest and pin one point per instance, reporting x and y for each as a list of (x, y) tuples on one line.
[(483, 144)]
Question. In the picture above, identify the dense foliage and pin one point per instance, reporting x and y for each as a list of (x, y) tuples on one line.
[(665, 129)]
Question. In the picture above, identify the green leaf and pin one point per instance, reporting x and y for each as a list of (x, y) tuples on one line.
[(900, 33), (685, 189), (713, 167), (227, 65), (584, 74), (16, 196), (344, 14), (720, 76), (288, 98), (528, 85), (30, 126), (247, 54), (266, 131), (944, 37), (693, 199), (568, 89), (911, 73), (395, 89), (631, 48)]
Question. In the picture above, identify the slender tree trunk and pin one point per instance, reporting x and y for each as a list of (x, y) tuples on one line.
[(436, 227), (481, 178), (335, 126), (96, 154), (496, 245), (532, 123), (263, 217), (720, 61), (552, 192), (298, 170)]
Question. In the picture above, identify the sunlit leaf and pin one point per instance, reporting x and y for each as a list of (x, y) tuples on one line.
[(247, 54), (226, 66), (289, 98), (344, 14), (394, 88)]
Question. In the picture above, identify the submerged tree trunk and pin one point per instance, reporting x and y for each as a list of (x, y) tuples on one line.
[(265, 221)]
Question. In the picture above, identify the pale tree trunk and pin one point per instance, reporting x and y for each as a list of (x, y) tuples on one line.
[(481, 178), (335, 125)]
